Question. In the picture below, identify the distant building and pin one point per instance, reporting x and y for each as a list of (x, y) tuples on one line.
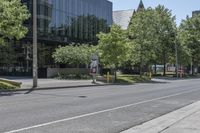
[(195, 12), (123, 17)]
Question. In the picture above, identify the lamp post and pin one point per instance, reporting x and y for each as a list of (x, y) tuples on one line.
[(176, 54), (35, 67)]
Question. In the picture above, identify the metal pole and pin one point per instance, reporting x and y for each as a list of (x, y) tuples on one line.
[(35, 72), (176, 54)]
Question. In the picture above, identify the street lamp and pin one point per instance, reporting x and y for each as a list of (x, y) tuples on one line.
[(35, 67), (176, 54)]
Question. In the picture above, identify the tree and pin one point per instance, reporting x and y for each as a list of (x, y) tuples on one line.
[(74, 54), (142, 34), (166, 33), (189, 35), (114, 47), (13, 14)]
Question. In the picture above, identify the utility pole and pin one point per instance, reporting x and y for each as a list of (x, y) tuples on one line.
[(35, 67), (176, 54)]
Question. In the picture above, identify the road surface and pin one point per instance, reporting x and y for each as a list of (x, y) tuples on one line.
[(105, 109)]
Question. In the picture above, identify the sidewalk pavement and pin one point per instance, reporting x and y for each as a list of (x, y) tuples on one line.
[(184, 120), (27, 83)]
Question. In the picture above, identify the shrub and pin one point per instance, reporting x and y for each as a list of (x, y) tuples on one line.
[(7, 86), (73, 76)]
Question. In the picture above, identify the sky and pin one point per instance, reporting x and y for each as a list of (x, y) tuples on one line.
[(179, 8)]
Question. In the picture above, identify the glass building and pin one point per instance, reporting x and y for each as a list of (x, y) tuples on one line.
[(67, 21), (60, 22)]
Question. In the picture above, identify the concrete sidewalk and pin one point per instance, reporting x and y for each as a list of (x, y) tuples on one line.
[(54, 83), (184, 120)]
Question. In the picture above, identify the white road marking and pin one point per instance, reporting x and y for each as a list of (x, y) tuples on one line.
[(98, 112)]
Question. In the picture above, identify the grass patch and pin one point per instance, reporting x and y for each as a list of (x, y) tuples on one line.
[(7, 86), (129, 79)]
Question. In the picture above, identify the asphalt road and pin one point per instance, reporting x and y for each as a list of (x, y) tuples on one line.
[(106, 109)]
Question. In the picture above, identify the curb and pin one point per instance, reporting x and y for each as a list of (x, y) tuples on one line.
[(164, 122), (54, 88)]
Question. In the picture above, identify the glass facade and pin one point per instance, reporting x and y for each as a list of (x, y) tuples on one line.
[(68, 21), (60, 22)]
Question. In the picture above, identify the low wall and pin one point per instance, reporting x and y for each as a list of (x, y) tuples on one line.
[(52, 72)]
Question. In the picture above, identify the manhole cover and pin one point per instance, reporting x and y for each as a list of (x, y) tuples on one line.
[(82, 96)]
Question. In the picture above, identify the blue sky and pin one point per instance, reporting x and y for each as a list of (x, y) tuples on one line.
[(179, 8)]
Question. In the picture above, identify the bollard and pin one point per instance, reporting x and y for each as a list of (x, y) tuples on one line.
[(108, 77)]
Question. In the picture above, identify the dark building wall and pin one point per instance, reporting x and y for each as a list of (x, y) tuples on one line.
[(196, 12), (67, 21)]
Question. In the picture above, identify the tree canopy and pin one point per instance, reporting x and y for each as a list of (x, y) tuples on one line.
[(12, 16), (74, 54), (152, 32), (189, 36), (142, 34), (114, 47)]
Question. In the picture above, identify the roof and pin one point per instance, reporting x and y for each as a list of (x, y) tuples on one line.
[(141, 6), (122, 18)]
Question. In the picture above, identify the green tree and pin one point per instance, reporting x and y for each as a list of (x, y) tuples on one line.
[(189, 35), (12, 16), (114, 47), (74, 54), (166, 34), (142, 34)]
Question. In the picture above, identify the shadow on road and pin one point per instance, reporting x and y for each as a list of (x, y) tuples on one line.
[(8, 93), (31, 90)]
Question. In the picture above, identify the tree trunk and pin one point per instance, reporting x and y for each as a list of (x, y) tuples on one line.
[(115, 72), (155, 68), (141, 65), (78, 69), (192, 65), (164, 63)]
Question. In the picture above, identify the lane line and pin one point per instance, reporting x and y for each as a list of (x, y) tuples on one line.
[(98, 112)]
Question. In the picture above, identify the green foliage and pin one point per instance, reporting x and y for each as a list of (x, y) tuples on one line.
[(152, 33), (74, 54), (132, 79), (73, 76), (12, 16), (7, 86), (114, 47), (16, 84), (142, 34), (189, 36), (166, 32)]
